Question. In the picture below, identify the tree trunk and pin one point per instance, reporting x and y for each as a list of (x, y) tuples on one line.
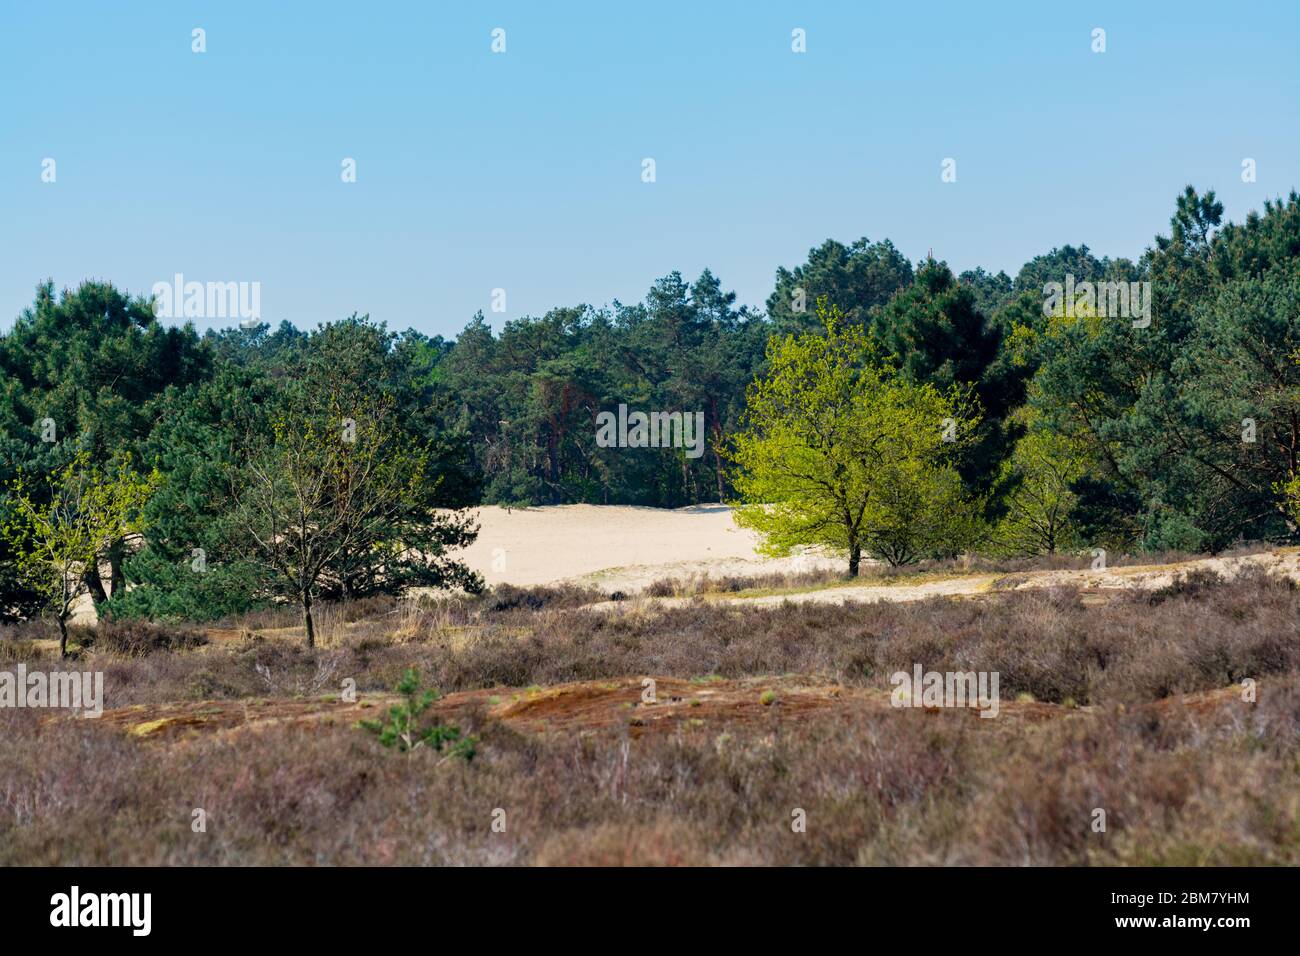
[(855, 559), (717, 442), (94, 583), (117, 577), (307, 622), (63, 636), (717, 464)]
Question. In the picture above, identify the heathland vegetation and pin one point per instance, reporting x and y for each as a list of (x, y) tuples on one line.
[(1126, 706)]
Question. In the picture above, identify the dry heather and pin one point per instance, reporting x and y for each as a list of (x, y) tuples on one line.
[(1204, 779)]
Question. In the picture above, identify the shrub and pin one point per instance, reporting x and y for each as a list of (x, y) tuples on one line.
[(507, 597), (403, 728), (135, 638)]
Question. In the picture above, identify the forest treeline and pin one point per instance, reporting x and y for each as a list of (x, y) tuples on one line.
[(1087, 430)]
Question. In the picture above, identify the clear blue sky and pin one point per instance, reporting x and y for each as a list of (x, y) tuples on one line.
[(523, 170)]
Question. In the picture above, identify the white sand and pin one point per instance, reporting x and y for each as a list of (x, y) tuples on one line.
[(618, 547), (614, 547), (625, 548)]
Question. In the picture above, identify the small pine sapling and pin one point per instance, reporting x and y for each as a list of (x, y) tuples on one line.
[(404, 729)]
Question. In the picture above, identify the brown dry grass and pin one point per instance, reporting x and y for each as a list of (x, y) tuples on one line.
[(1206, 779)]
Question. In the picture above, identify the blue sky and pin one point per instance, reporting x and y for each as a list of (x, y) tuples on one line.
[(522, 170)]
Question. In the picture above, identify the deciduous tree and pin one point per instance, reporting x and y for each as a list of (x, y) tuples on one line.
[(837, 449), (56, 535)]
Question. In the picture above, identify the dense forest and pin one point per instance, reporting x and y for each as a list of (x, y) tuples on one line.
[(1090, 430)]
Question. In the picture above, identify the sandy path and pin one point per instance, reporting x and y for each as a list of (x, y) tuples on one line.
[(1283, 563)]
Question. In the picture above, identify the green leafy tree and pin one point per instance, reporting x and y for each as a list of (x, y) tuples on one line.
[(326, 498), (196, 562), (56, 535), (838, 450), (1042, 473)]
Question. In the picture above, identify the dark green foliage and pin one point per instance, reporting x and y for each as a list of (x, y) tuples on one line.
[(991, 292), (93, 370), (405, 729), (192, 565), (530, 396), (198, 561), (857, 278), (1167, 407), (936, 333), (97, 363), (1056, 265)]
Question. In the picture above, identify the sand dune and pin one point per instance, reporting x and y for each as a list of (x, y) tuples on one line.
[(618, 547), (615, 547)]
